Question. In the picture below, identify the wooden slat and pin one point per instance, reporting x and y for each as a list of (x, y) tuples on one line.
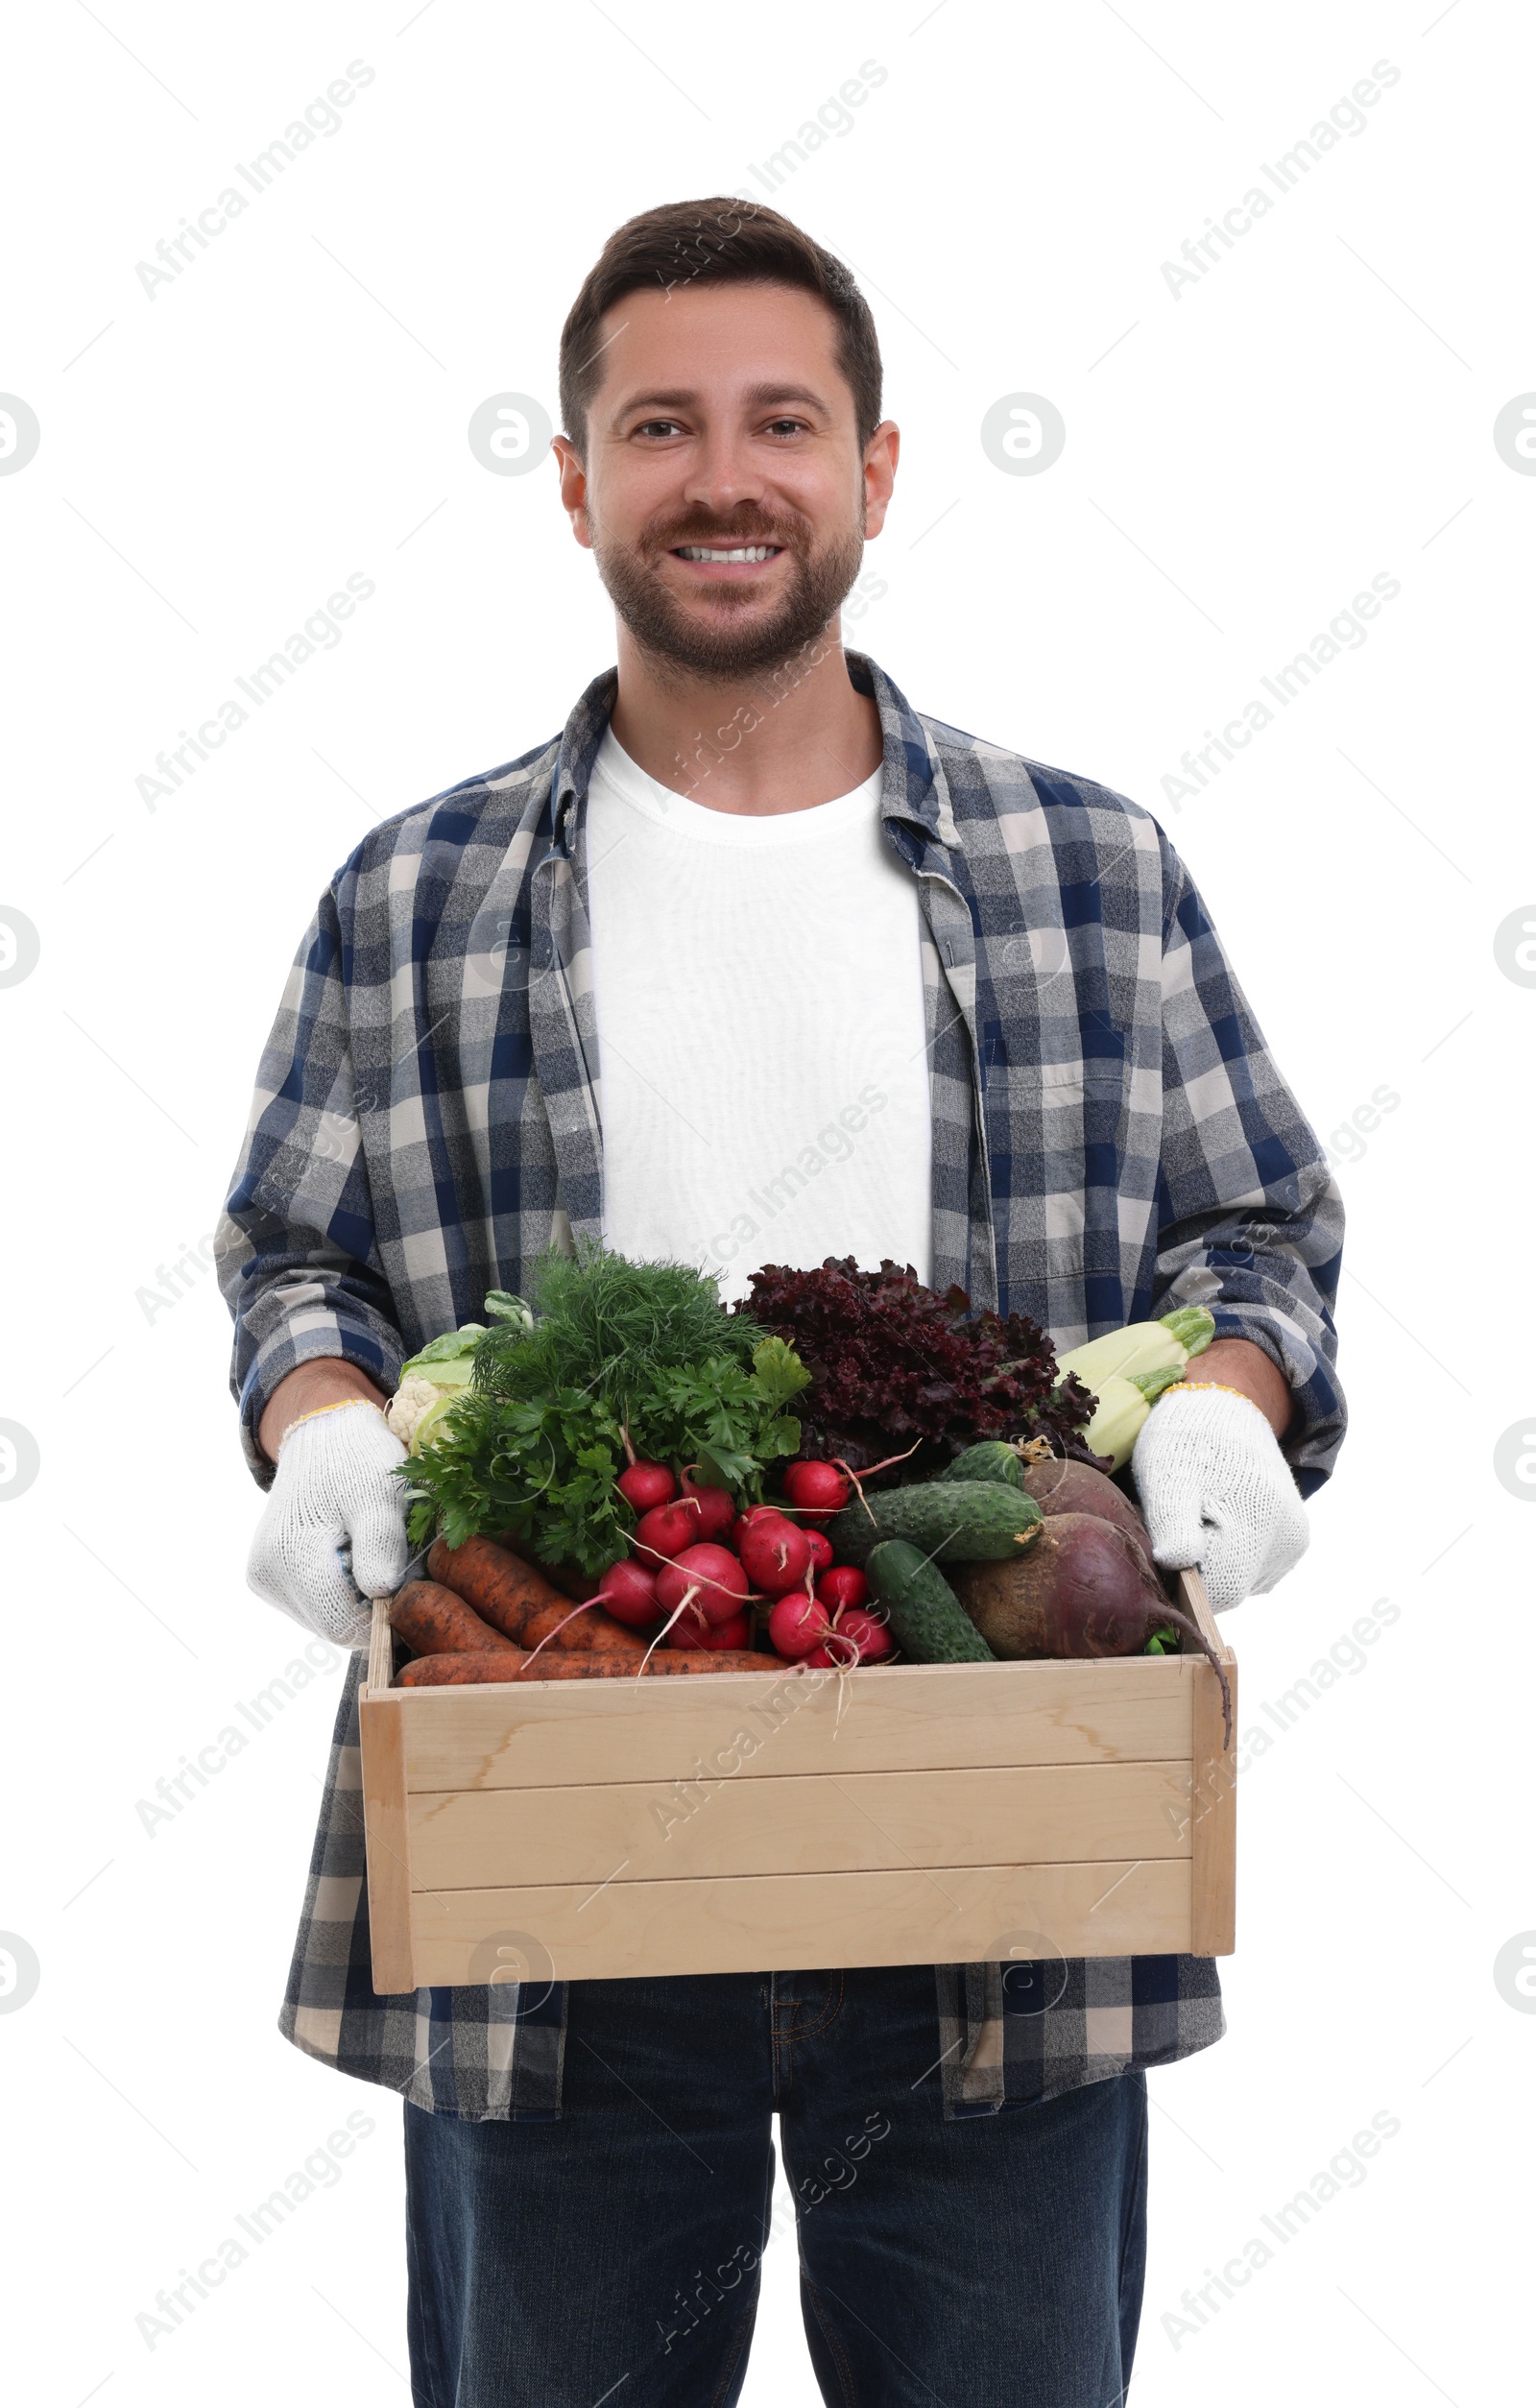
[(1211, 1805), (1194, 1602), (782, 1921), (812, 1824), (910, 1717), (380, 1647), (382, 1730)]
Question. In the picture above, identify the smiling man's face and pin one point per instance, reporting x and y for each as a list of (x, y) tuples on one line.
[(724, 491)]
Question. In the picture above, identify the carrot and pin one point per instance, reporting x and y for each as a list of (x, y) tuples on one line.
[(446, 1672), (576, 1585), (553, 1665), (583, 1630), (432, 1621), (523, 1605), (509, 1664)]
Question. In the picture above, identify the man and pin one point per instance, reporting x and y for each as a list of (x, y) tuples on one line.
[(754, 963)]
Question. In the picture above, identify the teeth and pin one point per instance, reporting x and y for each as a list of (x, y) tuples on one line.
[(751, 551)]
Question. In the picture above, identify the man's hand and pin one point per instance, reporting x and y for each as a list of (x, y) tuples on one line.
[(333, 1531), (1215, 1487), (326, 1380)]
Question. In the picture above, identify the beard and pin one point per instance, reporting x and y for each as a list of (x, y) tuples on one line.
[(718, 647)]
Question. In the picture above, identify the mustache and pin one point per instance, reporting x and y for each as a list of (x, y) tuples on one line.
[(722, 534)]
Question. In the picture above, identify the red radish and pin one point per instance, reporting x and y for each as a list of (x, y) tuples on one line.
[(870, 1637), (816, 1487), (629, 1592), (844, 1584), (668, 1529), (775, 1554), (688, 1629), (838, 1649), (717, 1634), (797, 1624), (714, 1572), (716, 1507), (647, 1484), (744, 1521), (821, 1551)]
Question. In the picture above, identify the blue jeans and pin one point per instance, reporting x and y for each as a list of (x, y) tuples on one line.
[(978, 2261)]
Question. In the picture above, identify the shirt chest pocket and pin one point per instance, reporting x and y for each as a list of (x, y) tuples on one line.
[(1058, 1136)]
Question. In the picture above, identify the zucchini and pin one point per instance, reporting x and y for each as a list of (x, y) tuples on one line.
[(1192, 1326), (1145, 1346), (991, 1458), (926, 1619), (1123, 1405), (953, 1521)]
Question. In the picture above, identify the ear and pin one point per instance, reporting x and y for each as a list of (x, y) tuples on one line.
[(572, 488), (881, 455)]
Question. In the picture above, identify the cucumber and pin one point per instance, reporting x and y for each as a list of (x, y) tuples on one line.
[(928, 1620), (953, 1521), (991, 1458)]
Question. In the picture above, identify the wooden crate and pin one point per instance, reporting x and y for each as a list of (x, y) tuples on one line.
[(743, 1823)]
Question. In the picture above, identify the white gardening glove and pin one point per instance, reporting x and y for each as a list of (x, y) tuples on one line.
[(335, 1503), (1216, 1491)]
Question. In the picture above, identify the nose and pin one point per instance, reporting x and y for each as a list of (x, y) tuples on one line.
[(722, 475)]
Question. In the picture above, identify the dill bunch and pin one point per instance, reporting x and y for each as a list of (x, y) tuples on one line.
[(607, 1324)]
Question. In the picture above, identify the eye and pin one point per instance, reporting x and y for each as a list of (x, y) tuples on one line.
[(658, 426), (786, 427)]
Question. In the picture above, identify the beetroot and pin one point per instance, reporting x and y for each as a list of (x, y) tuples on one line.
[(1064, 1487), (1082, 1588)]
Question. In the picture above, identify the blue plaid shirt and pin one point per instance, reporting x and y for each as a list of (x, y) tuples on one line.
[(1110, 1139)]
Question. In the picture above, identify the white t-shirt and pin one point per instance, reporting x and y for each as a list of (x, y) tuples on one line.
[(761, 1041)]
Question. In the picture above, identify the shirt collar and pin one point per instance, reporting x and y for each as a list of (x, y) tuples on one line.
[(915, 791)]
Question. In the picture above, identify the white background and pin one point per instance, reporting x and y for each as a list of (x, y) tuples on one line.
[(1240, 460)]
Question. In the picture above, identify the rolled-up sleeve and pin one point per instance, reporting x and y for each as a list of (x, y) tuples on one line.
[(296, 1250), (1251, 1221)]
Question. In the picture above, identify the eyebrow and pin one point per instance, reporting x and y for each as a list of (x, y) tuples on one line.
[(756, 397)]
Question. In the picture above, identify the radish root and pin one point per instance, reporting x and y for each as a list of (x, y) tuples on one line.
[(869, 1470), (681, 1607), (560, 1626)]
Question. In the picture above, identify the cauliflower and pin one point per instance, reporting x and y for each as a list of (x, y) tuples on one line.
[(410, 1405), (443, 1370)]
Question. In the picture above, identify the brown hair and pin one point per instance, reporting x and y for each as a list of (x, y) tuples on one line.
[(730, 242)]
